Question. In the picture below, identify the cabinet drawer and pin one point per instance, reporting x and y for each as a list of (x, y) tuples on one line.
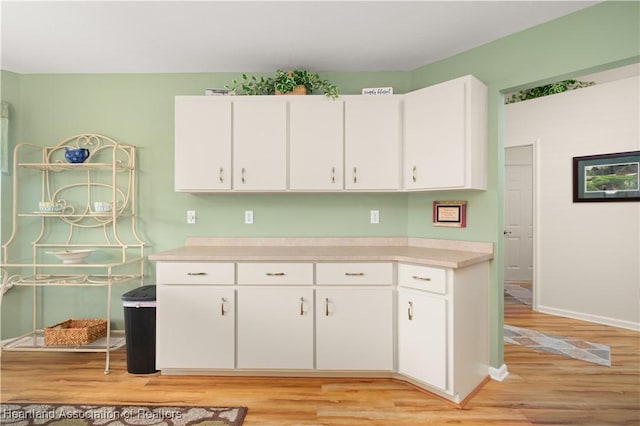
[(275, 273), (350, 273), (423, 278), (194, 273)]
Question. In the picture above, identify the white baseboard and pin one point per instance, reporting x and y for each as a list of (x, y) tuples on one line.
[(613, 322), (498, 374)]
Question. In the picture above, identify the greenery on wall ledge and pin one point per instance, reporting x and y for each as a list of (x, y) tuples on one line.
[(283, 83), (547, 89)]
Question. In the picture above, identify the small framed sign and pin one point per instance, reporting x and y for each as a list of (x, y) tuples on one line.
[(450, 213), (377, 90)]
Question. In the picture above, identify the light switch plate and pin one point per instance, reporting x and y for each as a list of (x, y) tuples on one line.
[(191, 217)]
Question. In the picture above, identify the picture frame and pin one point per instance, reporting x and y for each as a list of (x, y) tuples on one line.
[(450, 213), (613, 177)]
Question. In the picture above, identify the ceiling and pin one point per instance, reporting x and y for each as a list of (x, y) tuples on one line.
[(259, 36)]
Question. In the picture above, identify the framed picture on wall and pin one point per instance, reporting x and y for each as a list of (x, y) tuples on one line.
[(607, 177), (450, 213)]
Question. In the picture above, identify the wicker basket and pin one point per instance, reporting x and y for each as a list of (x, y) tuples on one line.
[(298, 90), (74, 332)]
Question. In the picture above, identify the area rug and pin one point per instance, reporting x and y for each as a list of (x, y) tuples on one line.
[(19, 414), (521, 294), (579, 349)]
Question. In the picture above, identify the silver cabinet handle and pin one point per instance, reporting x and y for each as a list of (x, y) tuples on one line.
[(242, 171), (221, 175), (414, 176), (355, 175), (302, 306), (333, 175), (410, 311), (354, 274), (275, 274), (415, 277), (326, 307), (222, 302), (196, 274)]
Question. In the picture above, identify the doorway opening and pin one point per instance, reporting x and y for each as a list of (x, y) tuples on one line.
[(518, 225)]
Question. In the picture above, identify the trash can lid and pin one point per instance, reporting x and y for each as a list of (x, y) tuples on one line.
[(145, 293)]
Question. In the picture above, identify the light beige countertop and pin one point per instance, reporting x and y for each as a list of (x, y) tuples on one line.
[(422, 251)]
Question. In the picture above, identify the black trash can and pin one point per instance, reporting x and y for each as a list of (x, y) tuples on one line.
[(140, 329)]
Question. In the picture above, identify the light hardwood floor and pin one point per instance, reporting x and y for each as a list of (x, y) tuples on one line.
[(541, 388)]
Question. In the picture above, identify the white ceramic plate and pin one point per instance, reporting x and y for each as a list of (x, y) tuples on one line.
[(71, 256)]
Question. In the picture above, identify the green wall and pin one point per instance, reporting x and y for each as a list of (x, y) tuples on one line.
[(138, 109)]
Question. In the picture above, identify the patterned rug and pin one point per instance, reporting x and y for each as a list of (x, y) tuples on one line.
[(566, 346), (22, 414), (579, 349), (521, 294)]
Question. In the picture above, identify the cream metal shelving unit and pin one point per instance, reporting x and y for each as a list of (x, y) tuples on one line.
[(107, 175)]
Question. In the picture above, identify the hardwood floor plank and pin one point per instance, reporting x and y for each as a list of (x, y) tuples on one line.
[(542, 388)]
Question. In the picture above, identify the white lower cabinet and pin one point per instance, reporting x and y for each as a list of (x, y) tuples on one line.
[(428, 324), (354, 329), (275, 328), (195, 327), (443, 328), (422, 337)]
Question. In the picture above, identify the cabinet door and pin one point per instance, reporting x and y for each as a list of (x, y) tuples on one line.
[(275, 328), (202, 144), (422, 337), (195, 327), (316, 129), (445, 136), (354, 329), (372, 143), (260, 145)]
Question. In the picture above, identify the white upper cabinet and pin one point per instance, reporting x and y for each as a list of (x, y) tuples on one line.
[(316, 144), (445, 136), (430, 139), (372, 143), (260, 144), (202, 144)]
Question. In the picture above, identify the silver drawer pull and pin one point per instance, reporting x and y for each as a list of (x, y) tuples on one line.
[(222, 302), (354, 274), (415, 277), (196, 274), (275, 274), (410, 311)]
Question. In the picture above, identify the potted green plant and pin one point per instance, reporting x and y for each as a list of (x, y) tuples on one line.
[(298, 81)]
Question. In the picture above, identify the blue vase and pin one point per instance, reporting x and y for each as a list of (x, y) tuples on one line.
[(76, 155)]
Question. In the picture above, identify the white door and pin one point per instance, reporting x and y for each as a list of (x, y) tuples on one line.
[(195, 326), (275, 328), (202, 144), (354, 329), (372, 143), (422, 337), (316, 144), (260, 145), (518, 214)]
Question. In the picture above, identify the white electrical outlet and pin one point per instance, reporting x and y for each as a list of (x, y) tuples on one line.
[(191, 217), (248, 217), (374, 216)]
